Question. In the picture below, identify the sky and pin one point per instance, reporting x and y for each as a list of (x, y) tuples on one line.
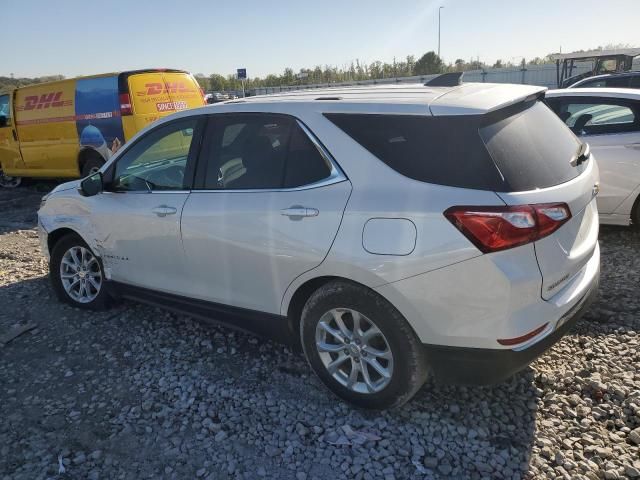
[(71, 37)]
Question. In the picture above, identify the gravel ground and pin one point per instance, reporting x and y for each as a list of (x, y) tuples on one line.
[(137, 393)]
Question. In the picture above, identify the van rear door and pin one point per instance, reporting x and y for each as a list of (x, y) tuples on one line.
[(157, 94)]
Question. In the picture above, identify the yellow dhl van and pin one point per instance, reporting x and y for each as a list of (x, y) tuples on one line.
[(69, 128)]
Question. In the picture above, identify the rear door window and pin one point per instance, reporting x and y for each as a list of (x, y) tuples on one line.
[(515, 149), (260, 151)]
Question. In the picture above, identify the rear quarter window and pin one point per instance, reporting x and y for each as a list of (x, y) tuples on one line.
[(516, 149), (440, 150)]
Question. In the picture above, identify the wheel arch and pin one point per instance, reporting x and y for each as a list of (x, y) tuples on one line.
[(56, 235), (293, 309)]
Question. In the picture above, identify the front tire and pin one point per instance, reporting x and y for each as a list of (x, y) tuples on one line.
[(76, 274), (361, 347)]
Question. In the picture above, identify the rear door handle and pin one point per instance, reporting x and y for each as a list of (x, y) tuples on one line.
[(635, 146), (298, 212), (164, 210)]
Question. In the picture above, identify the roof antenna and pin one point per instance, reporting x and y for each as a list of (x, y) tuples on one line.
[(451, 79)]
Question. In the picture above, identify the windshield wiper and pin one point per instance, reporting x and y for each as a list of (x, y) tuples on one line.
[(582, 155)]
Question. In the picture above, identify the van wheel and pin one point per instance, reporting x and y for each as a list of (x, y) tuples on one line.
[(361, 347), (92, 165), (9, 182), (635, 215), (77, 274)]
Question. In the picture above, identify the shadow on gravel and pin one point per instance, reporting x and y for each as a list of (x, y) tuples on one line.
[(19, 206)]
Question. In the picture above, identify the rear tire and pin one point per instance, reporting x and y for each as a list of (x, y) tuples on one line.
[(368, 334), (92, 165), (76, 274)]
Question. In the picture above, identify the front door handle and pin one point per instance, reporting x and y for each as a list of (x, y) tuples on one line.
[(635, 146), (298, 212), (164, 210)]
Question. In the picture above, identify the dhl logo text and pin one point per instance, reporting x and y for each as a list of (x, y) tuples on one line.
[(46, 100), (169, 87)]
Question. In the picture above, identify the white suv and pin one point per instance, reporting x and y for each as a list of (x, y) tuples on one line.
[(395, 233)]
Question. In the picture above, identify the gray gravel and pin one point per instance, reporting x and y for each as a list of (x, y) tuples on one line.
[(137, 393)]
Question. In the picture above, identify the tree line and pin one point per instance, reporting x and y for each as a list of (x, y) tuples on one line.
[(11, 82), (427, 64)]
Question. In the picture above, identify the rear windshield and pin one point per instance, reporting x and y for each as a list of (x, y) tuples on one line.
[(515, 149), (532, 148)]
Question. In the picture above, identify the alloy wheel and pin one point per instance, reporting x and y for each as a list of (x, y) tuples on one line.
[(354, 350), (80, 274)]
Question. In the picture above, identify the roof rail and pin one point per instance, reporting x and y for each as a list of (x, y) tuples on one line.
[(452, 79)]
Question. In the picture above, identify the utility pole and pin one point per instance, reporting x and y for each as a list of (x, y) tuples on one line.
[(439, 9)]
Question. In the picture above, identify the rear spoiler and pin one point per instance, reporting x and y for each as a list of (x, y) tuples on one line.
[(482, 98)]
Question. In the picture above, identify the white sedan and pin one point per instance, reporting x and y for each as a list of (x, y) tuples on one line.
[(608, 119)]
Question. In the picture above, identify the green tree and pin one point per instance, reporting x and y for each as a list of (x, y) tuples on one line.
[(217, 82), (498, 64), (428, 64)]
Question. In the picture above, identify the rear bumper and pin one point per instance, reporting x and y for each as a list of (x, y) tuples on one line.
[(480, 366)]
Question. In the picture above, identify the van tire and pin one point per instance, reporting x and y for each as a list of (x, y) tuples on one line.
[(635, 214), (92, 165), (9, 182), (409, 370)]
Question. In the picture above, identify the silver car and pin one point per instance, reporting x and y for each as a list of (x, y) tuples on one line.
[(394, 233), (609, 120)]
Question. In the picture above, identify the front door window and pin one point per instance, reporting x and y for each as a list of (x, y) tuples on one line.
[(158, 161)]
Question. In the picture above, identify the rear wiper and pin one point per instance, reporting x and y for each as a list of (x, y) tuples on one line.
[(581, 156)]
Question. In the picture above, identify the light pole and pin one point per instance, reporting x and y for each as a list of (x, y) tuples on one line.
[(439, 9)]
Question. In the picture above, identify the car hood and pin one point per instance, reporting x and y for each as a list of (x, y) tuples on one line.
[(66, 186)]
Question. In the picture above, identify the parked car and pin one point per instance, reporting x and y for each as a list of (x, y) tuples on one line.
[(610, 80), (216, 97), (609, 120), (69, 128), (393, 232)]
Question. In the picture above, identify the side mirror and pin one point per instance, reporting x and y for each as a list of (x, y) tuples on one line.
[(92, 185), (3, 121)]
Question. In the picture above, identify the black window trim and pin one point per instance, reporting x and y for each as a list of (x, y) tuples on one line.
[(189, 173), (336, 174)]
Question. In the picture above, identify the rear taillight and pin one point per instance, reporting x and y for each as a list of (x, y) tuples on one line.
[(125, 104), (498, 228)]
